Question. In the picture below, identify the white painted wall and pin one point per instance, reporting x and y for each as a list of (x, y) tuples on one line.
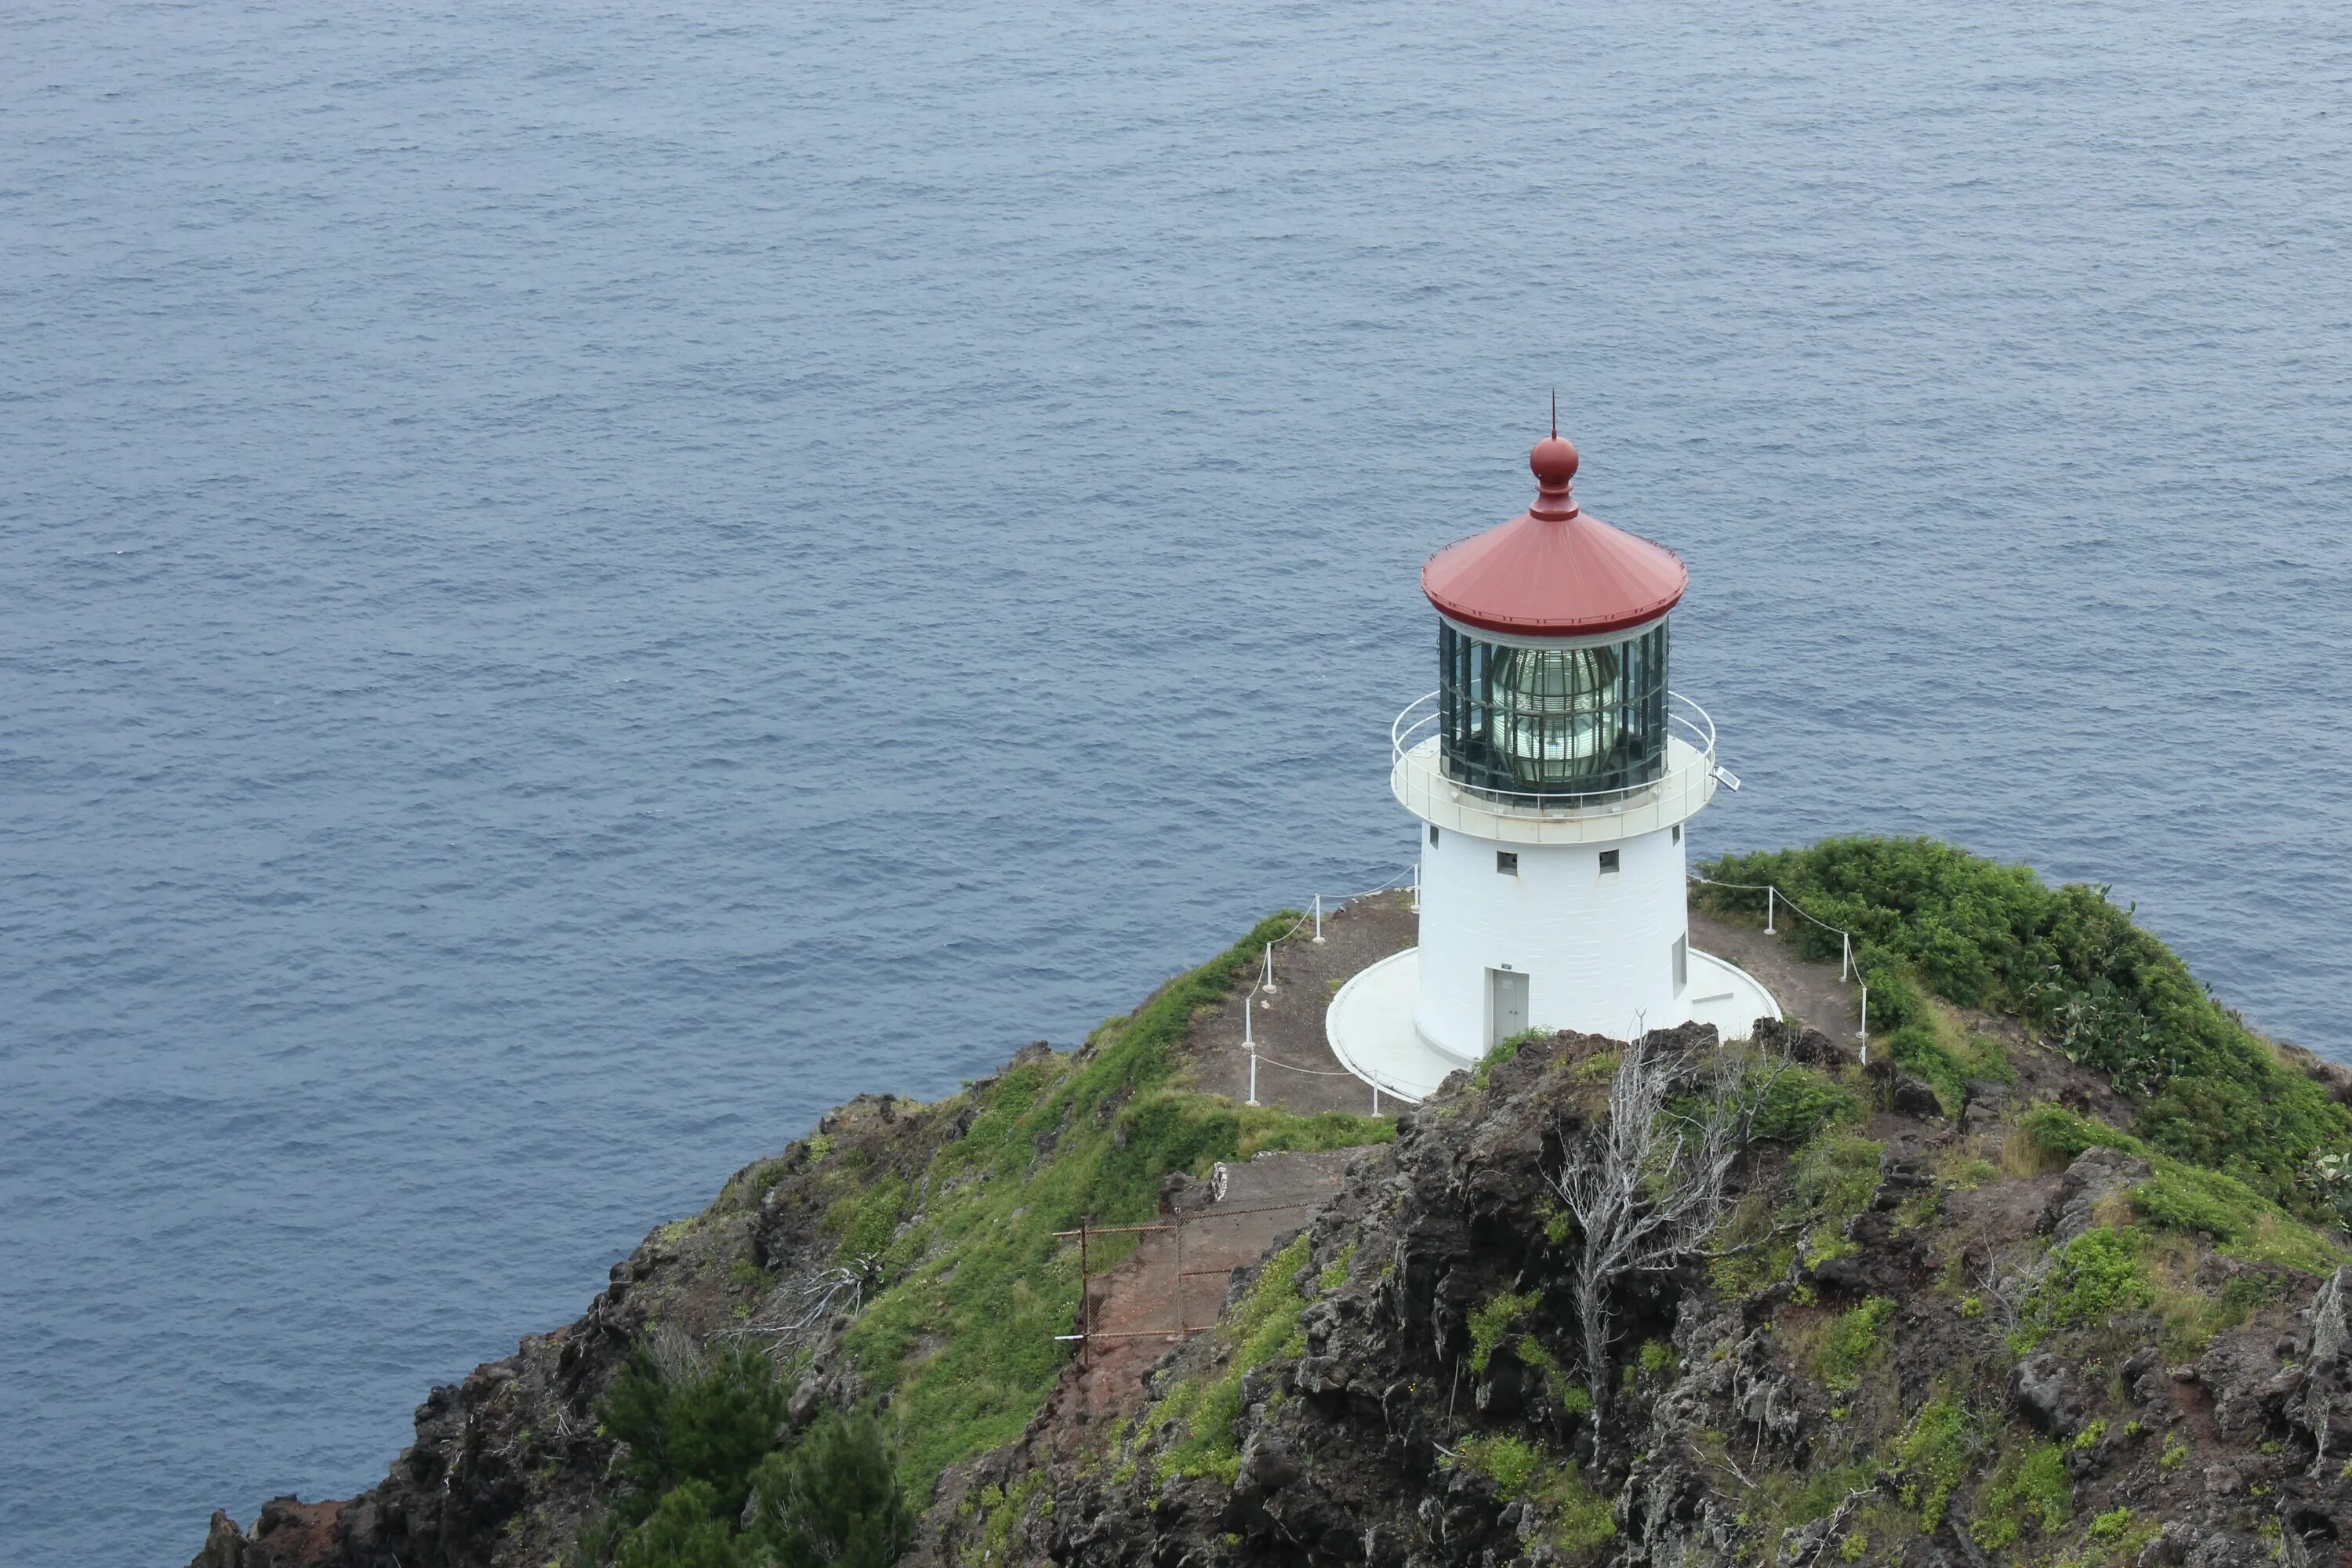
[(1597, 948)]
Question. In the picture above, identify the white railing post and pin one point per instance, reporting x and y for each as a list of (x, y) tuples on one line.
[(1416, 887), (1771, 898), (1865, 1031), (1249, 1044), (1376, 1097), (1319, 917), (1846, 954), (1269, 969)]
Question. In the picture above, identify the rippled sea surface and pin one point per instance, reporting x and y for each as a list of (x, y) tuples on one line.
[(577, 585)]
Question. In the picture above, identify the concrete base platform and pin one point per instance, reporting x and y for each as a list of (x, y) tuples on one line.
[(1370, 1022)]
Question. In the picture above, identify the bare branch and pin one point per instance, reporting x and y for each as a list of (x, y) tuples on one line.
[(1646, 1188)]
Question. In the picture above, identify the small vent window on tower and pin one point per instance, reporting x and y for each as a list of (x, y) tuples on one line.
[(1682, 962), (1433, 835), (1506, 861), (1678, 832), (1609, 862)]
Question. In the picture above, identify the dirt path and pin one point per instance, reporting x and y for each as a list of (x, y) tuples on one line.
[(1288, 1024), (1809, 992), (1176, 1281)]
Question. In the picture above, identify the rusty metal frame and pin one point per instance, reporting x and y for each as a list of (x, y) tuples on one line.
[(1087, 1333)]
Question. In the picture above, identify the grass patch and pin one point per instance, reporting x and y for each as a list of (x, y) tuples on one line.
[(1262, 1327), (2091, 1278), (961, 1335), (2188, 1198), (1335, 1273), (1937, 1048), (2028, 1490), (1575, 1518), (1504, 1051), (1833, 1180), (1853, 1344), (1931, 1459), (1751, 1252)]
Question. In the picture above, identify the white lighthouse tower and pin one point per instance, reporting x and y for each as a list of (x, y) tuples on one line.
[(1552, 771)]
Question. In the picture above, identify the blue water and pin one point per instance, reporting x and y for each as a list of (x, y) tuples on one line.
[(577, 585)]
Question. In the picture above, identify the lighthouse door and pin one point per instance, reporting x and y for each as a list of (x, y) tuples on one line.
[(1506, 1004)]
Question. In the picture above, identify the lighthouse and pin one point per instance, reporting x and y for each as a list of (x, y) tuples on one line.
[(1551, 776)]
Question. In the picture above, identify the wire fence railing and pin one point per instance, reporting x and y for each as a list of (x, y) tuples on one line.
[(1848, 970), (1408, 880)]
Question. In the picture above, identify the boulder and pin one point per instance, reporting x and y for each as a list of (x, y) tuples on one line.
[(2047, 1394), (2097, 1176)]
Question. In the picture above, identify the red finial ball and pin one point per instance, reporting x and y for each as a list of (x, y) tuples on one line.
[(1553, 460)]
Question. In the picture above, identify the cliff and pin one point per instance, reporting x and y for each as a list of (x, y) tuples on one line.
[(1993, 1298)]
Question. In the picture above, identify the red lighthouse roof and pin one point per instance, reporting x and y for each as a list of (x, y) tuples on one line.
[(1555, 570)]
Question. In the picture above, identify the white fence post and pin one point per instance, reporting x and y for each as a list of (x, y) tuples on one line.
[(1771, 898), (1416, 887), (1269, 969), (1249, 1044), (1845, 953), (1865, 1031), (1319, 917)]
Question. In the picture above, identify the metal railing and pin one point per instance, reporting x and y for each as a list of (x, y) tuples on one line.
[(1413, 741), (1848, 966), (1407, 880)]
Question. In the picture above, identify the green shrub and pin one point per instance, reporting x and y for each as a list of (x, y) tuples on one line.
[(2113, 1528), (1491, 1321), (1509, 1461), (2090, 1277), (1799, 1103), (2072, 964), (710, 1426), (1931, 1459), (687, 1530), (1852, 1344), (833, 1499), (2030, 1488)]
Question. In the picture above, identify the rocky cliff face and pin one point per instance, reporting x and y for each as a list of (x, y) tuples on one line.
[(2009, 1336), (508, 1465), (1938, 1368)]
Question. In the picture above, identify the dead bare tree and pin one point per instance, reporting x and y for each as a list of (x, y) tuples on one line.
[(794, 1307), (1646, 1189)]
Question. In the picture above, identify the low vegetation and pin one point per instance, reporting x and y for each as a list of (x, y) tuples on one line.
[(1934, 921), (708, 1484), (1264, 1326)]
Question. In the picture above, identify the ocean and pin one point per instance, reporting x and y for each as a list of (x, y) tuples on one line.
[(579, 584)]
